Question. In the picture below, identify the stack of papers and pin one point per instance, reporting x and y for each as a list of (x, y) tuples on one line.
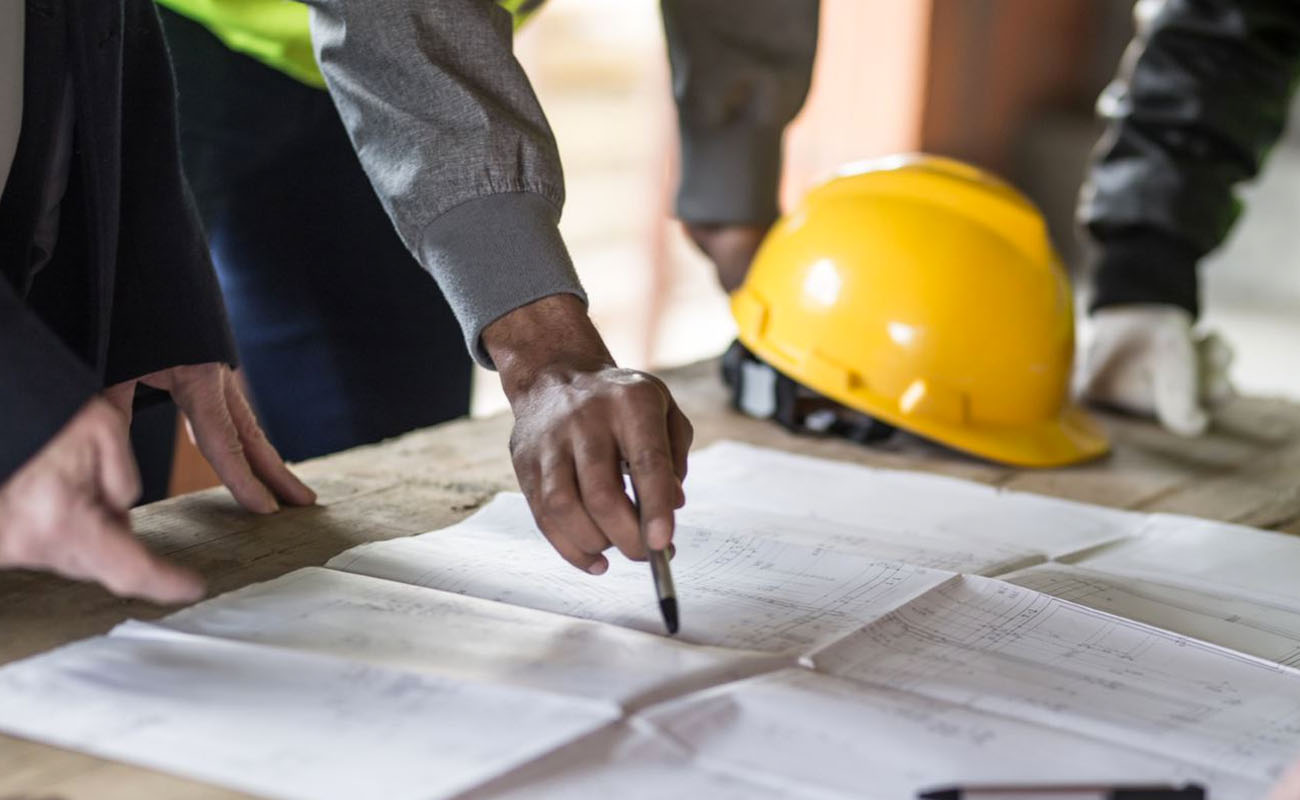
[(847, 632)]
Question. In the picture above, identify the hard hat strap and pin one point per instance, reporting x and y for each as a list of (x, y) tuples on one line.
[(759, 391)]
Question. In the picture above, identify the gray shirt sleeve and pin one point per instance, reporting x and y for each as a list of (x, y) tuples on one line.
[(741, 70), (456, 145)]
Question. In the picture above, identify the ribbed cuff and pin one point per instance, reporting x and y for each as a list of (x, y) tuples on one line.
[(730, 175), (494, 254), (1144, 266)]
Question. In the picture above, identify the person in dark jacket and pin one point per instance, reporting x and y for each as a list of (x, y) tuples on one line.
[(107, 298), (1202, 96)]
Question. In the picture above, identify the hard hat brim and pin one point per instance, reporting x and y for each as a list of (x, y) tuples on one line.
[(1071, 438)]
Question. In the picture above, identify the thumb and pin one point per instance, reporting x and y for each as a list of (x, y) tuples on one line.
[(1177, 385), (118, 475), (1095, 360)]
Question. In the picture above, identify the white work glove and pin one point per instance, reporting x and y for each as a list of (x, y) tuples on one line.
[(1146, 359)]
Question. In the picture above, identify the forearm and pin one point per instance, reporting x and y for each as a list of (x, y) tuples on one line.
[(548, 336), (1200, 100), (741, 71), (456, 145)]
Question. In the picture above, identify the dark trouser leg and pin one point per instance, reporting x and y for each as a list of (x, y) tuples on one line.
[(153, 438), (343, 338)]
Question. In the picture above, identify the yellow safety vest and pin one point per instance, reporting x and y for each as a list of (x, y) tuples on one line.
[(276, 32)]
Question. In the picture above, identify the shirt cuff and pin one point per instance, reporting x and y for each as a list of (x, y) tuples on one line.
[(730, 175), (1145, 266), (494, 254)]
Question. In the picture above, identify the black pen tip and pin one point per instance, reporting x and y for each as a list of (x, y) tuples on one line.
[(668, 606)]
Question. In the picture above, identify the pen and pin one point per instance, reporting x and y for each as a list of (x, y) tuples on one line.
[(1190, 791), (661, 573)]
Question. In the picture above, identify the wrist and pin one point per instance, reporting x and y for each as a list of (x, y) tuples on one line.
[(550, 338), (1144, 266)]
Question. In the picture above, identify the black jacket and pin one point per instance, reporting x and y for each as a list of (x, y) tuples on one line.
[(1202, 96), (130, 288)]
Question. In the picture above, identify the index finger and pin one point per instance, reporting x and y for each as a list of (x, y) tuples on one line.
[(218, 440), (647, 448), (261, 455)]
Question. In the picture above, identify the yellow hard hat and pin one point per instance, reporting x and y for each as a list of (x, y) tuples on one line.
[(924, 293)]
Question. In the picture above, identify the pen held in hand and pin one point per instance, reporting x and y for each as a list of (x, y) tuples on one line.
[(661, 573)]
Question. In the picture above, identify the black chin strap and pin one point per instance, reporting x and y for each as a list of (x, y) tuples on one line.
[(759, 391)]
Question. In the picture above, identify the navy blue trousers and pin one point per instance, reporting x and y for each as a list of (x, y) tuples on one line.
[(344, 339)]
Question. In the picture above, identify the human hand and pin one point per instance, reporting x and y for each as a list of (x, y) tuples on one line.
[(730, 247), (65, 511), (221, 422), (578, 417), (1146, 359)]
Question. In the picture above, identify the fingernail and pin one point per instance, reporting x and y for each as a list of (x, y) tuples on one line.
[(192, 595), (185, 590), (599, 567), (268, 502), (659, 534)]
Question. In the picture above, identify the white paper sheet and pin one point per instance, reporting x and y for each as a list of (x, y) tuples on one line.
[(1003, 649), (475, 660), (742, 591), (744, 476), (282, 724), (802, 729), (917, 548), (1202, 553), (413, 628), (630, 762), (1248, 626)]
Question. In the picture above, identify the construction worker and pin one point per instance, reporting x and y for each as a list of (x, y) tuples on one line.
[(462, 159), (445, 106), (1202, 96)]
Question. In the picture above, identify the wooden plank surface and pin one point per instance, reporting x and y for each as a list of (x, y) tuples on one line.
[(1247, 469)]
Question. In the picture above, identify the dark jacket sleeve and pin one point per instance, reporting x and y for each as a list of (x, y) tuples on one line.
[(43, 381), (740, 70), (42, 386), (164, 307), (1201, 97), (167, 306)]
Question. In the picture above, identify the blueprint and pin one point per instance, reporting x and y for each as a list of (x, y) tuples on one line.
[(847, 632)]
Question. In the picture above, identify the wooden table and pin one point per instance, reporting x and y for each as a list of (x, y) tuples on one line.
[(1246, 470)]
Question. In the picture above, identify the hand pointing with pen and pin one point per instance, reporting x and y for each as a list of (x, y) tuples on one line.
[(577, 417)]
